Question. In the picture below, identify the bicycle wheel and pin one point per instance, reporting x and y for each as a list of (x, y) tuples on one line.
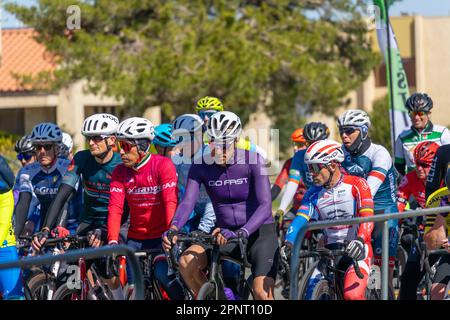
[(65, 293), (399, 267), (323, 291), (207, 292), (39, 286), (303, 281)]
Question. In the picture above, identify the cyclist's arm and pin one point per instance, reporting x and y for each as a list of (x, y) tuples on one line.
[(306, 211), (364, 203), (6, 176), (116, 204), (208, 219), (380, 167), (56, 207), (21, 211), (437, 171), (400, 162), (6, 211), (190, 197), (168, 181), (436, 234), (293, 182), (281, 180), (404, 192)]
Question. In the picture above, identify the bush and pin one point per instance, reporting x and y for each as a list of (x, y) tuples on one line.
[(7, 142)]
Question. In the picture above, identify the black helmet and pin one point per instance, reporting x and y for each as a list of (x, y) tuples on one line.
[(24, 145), (419, 102), (315, 131)]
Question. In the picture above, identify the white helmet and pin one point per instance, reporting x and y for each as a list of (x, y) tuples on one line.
[(67, 141), (136, 128), (100, 124), (187, 123), (224, 126), (354, 117), (46, 132), (323, 152)]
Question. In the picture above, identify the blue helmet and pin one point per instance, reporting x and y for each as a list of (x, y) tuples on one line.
[(163, 136)]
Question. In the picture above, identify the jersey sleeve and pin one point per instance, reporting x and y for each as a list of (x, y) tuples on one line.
[(404, 192), (381, 164), (72, 175), (437, 170), (282, 178), (25, 184), (364, 204), (261, 183), (295, 169), (168, 181), (445, 137), (191, 193), (116, 203), (6, 176)]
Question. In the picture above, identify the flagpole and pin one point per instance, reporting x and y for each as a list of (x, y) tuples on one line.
[(391, 88)]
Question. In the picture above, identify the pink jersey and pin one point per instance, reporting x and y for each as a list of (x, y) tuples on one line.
[(151, 193)]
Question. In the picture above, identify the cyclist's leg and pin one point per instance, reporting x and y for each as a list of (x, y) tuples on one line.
[(411, 276), (263, 253), (191, 264), (441, 279), (10, 279), (354, 287)]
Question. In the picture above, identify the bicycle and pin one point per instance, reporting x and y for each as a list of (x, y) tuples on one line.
[(214, 288), (327, 286)]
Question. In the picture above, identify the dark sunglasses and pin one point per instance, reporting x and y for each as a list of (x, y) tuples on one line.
[(96, 139), (25, 156), (423, 164), (316, 167), (206, 114), (47, 147), (347, 130), (125, 146), (417, 113)]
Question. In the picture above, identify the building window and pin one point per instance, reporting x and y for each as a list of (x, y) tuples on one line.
[(410, 68)]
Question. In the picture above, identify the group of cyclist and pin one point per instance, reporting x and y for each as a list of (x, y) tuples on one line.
[(141, 185)]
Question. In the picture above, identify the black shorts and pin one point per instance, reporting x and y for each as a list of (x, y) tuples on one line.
[(443, 270), (262, 251)]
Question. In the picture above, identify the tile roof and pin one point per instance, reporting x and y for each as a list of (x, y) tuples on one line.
[(21, 54)]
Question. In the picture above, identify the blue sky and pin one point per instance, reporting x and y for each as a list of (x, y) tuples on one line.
[(422, 7)]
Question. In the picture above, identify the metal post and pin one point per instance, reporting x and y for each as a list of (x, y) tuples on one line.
[(293, 288), (385, 261)]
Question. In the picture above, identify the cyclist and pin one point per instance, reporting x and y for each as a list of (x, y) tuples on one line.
[(436, 237), (299, 143), (206, 107), (163, 142), (240, 192), (40, 180), (419, 106), (298, 171), (439, 167), (26, 154), (372, 162), (148, 183), (334, 196), (10, 279), (413, 184)]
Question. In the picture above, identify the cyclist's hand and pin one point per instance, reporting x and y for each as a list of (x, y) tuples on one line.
[(169, 234), (220, 237), (355, 249), (95, 238), (39, 239)]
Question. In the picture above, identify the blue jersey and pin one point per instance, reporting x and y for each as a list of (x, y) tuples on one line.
[(42, 183), (375, 165), (299, 170)]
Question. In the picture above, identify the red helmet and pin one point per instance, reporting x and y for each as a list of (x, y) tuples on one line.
[(425, 151), (297, 136)]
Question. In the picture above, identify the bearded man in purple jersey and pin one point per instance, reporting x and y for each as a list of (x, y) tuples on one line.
[(239, 189)]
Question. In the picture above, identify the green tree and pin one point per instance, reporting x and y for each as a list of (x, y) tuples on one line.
[(380, 131), (305, 54)]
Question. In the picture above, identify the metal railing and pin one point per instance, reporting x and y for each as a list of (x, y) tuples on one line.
[(90, 253), (295, 258)]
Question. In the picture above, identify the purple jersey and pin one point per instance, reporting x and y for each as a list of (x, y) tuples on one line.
[(240, 193)]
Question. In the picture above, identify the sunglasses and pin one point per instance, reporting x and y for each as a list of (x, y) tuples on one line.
[(417, 113), (25, 156), (125, 146), (316, 167), (347, 130), (96, 139), (47, 147), (423, 164), (206, 114)]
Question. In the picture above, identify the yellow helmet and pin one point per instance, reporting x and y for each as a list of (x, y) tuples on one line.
[(209, 103)]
